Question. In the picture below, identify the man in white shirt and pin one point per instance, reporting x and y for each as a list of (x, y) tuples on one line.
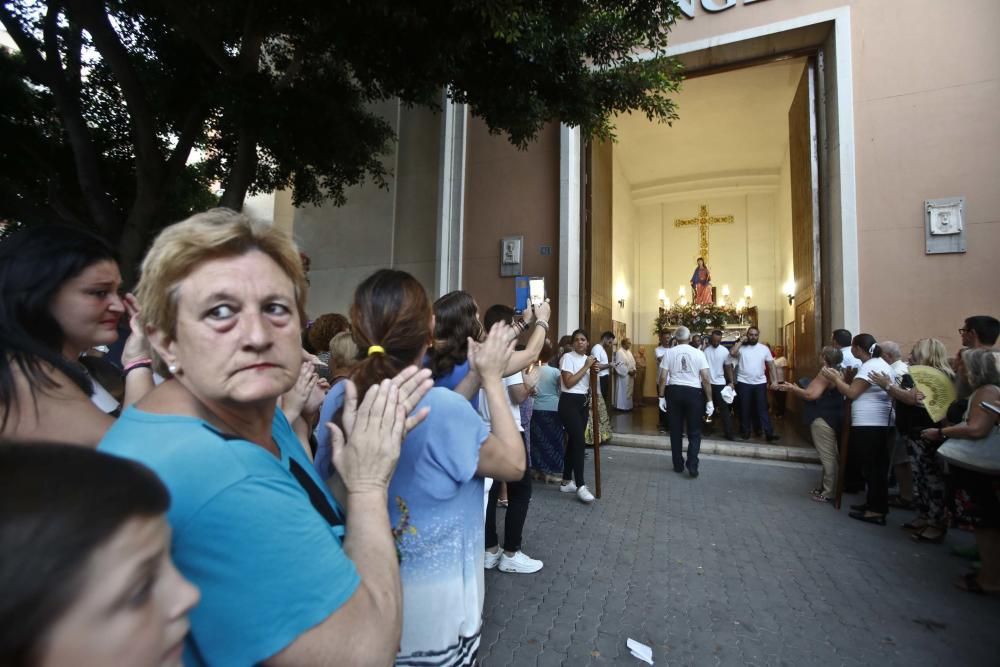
[(720, 370), (600, 352), (842, 341), (751, 382), (661, 350), (684, 371)]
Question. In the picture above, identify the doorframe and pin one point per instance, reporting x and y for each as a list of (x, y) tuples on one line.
[(570, 244)]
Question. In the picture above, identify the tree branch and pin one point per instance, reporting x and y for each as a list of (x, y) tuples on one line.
[(191, 27), (49, 72), (188, 133), (149, 160)]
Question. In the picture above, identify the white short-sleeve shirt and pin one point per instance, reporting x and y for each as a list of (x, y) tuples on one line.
[(572, 362), (598, 352), (753, 361), (873, 407), (717, 357), (683, 365), (515, 410)]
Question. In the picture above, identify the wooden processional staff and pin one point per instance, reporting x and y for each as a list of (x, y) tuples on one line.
[(595, 429)]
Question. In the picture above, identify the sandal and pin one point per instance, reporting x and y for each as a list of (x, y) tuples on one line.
[(869, 517), (917, 524), (502, 503)]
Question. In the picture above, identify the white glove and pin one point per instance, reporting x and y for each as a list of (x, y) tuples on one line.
[(663, 404), (709, 409)]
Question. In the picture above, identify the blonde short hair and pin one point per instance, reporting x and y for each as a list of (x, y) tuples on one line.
[(931, 352), (215, 234), (343, 350)]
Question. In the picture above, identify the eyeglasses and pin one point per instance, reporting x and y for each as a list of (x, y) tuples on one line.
[(964, 331)]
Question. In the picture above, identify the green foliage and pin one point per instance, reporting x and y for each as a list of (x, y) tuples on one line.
[(106, 100)]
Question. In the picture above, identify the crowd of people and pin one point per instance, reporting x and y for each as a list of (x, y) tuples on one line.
[(196, 473)]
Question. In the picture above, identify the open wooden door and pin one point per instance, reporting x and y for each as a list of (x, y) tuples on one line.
[(803, 159)]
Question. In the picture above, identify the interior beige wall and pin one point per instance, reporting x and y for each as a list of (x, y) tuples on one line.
[(926, 86), (510, 192)]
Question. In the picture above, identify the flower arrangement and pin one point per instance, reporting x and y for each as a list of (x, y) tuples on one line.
[(699, 318)]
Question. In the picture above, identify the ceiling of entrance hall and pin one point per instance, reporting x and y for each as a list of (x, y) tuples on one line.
[(731, 124)]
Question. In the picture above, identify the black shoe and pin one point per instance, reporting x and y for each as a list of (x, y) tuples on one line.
[(744, 436), (678, 470), (877, 519), (773, 438), (693, 473), (859, 508), (730, 438)]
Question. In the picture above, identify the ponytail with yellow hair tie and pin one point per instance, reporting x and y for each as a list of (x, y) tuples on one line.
[(376, 349)]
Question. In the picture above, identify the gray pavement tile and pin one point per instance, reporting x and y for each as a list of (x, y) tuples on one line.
[(783, 581)]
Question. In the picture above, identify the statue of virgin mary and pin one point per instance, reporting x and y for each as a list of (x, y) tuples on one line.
[(701, 282)]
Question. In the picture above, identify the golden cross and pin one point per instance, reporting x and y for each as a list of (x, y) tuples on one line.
[(703, 221)]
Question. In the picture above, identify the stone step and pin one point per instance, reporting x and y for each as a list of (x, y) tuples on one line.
[(747, 449)]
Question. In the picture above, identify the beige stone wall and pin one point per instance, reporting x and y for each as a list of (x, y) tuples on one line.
[(926, 86)]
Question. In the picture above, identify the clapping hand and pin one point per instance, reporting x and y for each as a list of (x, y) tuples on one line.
[(136, 348), (365, 452), (831, 374), (489, 358), (881, 379)]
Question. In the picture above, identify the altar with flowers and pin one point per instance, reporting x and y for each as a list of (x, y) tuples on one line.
[(704, 318)]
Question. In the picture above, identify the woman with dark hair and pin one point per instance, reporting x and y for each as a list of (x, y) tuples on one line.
[(435, 495), (456, 322), (823, 413), (86, 573), (58, 299), (574, 370), (871, 421), (546, 427)]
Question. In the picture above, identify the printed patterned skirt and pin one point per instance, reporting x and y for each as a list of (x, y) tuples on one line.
[(546, 442)]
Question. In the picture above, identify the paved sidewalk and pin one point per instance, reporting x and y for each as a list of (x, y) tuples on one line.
[(737, 567)]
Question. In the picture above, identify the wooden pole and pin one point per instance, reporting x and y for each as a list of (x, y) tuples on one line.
[(595, 417), (845, 436)]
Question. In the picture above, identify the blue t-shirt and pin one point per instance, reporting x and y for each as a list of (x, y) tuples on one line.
[(452, 379), (261, 537), (436, 510)]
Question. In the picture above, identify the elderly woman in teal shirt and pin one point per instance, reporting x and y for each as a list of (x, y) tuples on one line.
[(288, 575)]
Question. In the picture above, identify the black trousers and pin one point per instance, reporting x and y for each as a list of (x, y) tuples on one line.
[(573, 412), (664, 414), (723, 411), (871, 445), (518, 498), (604, 382), (687, 405)]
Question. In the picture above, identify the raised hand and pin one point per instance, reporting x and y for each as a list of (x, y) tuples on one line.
[(489, 358), (295, 399), (136, 347), (367, 455)]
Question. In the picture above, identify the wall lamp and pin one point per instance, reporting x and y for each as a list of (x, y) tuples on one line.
[(789, 290)]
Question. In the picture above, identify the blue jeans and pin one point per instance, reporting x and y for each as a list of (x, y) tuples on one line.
[(753, 402), (687, 405)]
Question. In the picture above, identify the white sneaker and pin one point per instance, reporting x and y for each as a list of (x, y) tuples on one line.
[(520, 563), (584, 495), (568, 488), (491, 559)]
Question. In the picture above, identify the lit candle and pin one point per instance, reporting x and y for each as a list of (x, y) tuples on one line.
[(748, 292), (725, 290), (662, 296), (740, 305), (680, 291)]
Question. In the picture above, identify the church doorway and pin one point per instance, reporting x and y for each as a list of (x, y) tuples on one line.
[(736, 183)]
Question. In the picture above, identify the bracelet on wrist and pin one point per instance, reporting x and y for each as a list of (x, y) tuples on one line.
[(135, 365), (543, 324)]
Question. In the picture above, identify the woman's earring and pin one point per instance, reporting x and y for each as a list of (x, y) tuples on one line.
[(173, 369)]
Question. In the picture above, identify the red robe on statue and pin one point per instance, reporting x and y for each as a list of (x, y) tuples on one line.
[(701, 281)]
